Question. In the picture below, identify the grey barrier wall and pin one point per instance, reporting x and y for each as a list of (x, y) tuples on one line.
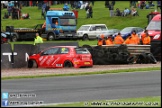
[(23, 51), (18, 58), (6, 56)]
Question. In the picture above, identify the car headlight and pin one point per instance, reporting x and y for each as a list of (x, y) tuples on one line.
[(80, 33), (156, 36)]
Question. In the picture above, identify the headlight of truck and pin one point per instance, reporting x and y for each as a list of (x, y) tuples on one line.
[(156, 36)]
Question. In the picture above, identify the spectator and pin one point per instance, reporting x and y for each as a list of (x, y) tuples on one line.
[(107, 4), (135, 37), (5, 16), (9, 9), (143, 35), (118, 39), (66, 7), (43, 10), (111, 9), (146, 40), (38, 39), (118, 13), (126, 12), (159, 4), (109, 40), (134, 12), (130, 40), (100, 42), (90, 12), (47, 7), (87, 12)]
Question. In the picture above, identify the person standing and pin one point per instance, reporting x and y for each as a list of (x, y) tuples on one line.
[(118, 39), (38, 39), (109, 40), (135, 36), (146, 40), (90, 11)]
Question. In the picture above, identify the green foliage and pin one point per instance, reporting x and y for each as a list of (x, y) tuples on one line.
[(100, 15)]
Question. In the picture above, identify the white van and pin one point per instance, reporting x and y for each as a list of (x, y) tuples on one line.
[(90, 31)]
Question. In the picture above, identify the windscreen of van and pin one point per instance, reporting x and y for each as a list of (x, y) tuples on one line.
[(154, 25), (84, 28), (67, 22)]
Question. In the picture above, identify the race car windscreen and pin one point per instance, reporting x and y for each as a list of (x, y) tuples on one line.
[(70, 22), (81, 51), (154, 25)]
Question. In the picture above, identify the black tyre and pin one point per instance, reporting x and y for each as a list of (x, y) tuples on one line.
[(100, 53), (85, 37), (131, 59), (67, 64), (142, 59), (14, 38), (123, 56), (152, 58), (51, 37), (30, 63)]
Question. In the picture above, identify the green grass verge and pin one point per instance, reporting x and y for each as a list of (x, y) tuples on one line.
[(85, 73), (128, 102)]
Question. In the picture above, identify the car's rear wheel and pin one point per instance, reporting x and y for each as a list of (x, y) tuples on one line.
[(68, 64)]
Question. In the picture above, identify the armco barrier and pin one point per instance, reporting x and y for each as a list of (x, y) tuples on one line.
[(6, 56)]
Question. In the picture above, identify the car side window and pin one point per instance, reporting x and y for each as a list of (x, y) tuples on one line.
[(50, 51), (93, 28), (64, 50), (98, 28), (103, 28)]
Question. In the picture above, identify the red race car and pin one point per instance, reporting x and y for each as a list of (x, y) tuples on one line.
[(61, 56)]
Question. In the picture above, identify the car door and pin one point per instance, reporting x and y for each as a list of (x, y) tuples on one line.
[(92, 32), (48, 57), (62, 56)]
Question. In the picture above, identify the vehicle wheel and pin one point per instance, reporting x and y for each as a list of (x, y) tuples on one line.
[(14, 38), (85, 37), (51, 37), (30, 63), (152, 58), (68, 64), (131, 59)]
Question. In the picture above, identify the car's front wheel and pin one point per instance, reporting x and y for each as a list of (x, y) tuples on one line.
[(85, 37)]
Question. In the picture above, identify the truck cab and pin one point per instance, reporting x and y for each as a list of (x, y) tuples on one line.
[(59, 25)]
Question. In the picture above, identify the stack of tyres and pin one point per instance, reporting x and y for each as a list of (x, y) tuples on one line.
[(104, 55)]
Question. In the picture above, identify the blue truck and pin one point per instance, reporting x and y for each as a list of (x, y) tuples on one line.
[(59, 25), (64, 29)]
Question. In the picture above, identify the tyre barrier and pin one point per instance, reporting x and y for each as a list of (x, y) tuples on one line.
[(118, 55), (103, 55), (146, 58)]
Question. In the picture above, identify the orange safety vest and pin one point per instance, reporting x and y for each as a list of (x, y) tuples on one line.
[(109, 42), (130, 41), (143, 36), (118, 40), (146, 40), (137, 39), (100, 42)]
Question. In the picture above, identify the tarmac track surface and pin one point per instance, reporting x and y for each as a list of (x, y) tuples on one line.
[(84, 88)]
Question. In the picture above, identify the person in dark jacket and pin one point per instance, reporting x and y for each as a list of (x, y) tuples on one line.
[(90, 11)]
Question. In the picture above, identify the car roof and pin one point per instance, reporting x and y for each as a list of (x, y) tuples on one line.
[(64, 46), (133, 27), (92, 24)]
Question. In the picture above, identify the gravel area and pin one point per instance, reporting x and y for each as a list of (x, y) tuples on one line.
[(43, 71)]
